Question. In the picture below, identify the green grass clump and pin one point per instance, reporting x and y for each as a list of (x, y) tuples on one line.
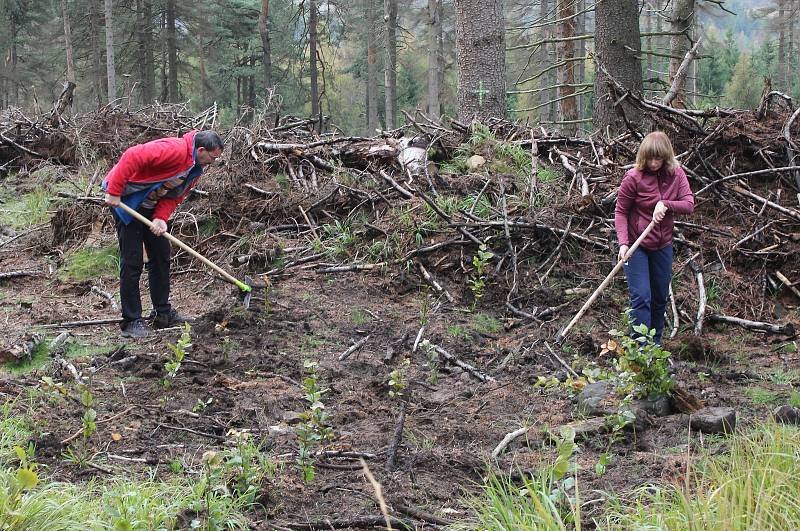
[(761, 396), (486, 324), (25, 211), (752, 487), (91, 262)]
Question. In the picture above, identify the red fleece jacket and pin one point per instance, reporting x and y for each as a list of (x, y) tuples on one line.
[(636, 201), (154, 162)]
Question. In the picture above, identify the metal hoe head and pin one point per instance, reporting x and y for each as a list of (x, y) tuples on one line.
[(247, 294)]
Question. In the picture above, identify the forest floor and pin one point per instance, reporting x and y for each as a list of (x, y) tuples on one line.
[(381, 305), (243, 379)]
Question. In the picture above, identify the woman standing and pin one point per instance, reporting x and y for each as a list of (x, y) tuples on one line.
[(656, 188)]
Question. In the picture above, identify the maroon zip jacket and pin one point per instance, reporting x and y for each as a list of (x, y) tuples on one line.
[(636, 201)]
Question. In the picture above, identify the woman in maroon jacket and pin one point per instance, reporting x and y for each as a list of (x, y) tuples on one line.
[(656, 188)]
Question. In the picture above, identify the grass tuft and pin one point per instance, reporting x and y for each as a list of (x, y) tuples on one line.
[(89, 262)]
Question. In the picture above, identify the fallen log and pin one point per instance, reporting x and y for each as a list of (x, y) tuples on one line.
[(784, 329)]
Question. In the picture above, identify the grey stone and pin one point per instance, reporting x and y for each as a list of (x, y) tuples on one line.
[(598, 398), (714, 420), (292, 417), (660, 407), (583, 428), (787, 414)]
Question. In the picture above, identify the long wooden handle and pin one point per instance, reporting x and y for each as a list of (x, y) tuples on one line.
[(563, 333), (227, 276)]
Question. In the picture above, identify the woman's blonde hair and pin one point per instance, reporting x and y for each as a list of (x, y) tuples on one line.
[(656, 145)]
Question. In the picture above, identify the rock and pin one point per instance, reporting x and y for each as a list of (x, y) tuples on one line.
[(660, 407), (714, 420), (583, 428), (475, 162), (787, 414), (599, 398), (292, 417)]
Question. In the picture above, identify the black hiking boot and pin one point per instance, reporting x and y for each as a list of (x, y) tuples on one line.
[(136, 329), (169, 319)]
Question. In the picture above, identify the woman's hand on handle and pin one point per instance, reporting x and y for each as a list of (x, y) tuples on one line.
[(623, 250), (659, 212)]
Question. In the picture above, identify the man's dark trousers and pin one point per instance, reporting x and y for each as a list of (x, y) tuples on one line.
[(131, 237), (649, 274)]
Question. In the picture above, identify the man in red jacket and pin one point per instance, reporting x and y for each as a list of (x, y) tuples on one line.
[(153, 178)]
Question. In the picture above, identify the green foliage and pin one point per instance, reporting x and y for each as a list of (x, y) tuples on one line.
[(359, 317), (179, 351), (485, 324), (26, 211), (547, 500), (89, 262), (477, 280), (742, 92), (752, 486), (641, 365), (761, 396), (398, 380), (313, 430)]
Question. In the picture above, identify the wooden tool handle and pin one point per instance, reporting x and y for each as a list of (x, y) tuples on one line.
[(563, 333), (227, 276)]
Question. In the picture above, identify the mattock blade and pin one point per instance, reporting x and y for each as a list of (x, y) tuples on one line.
[(248, 294)]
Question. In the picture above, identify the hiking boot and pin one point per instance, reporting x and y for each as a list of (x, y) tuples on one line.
[(169, 319), (136, 329)]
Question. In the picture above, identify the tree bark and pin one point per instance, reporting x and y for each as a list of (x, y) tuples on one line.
[(481, 57), (681, 22), (98, 79), (616, 34), (781, 81), (372, 69), (390, 66), (568, 109), (68, 43), (312, 53), (266, 45), (434, 57), (172, 54), (144, 49), (580, 29), (111, 71)]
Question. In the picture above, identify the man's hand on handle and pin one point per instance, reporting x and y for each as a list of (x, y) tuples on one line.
[(159, 227), (112, 200)]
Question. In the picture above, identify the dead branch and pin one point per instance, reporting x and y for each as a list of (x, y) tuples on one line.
[(785, 330)]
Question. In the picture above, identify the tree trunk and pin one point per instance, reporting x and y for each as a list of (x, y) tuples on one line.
[(434, 57), (172, 53), (616, 33), (266, 47), (781, 81), (312, 53), (201, 69), (481, 57), (580, 29), (144, 49), (251, 94), (681, 22), (544, 94), (111, 71), (434, 36), (568, 109), (390, 68), (372, 69), (68, 43), (97, 77)]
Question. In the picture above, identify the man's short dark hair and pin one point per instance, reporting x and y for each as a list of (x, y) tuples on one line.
[(209, 140)]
